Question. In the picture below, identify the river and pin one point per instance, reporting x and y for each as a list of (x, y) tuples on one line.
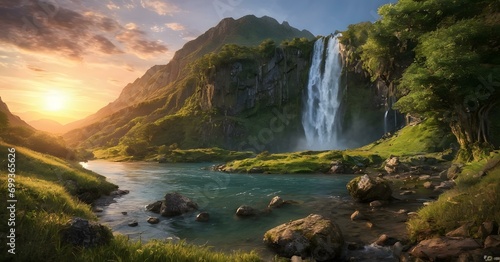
[(219, 194)]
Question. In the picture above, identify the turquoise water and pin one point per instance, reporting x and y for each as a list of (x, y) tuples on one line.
[(219, 194)]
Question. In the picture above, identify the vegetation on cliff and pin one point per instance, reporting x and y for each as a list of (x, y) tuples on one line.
[(441, 58)]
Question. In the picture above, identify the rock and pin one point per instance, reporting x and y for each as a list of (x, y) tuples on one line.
[(153, 220), (124, 213), (407, 192), (245, 211), (276, 202), (203, 217), (119, 192), (424, 177), (313, 235), (443, 248), (84, 233), (391, 165), (462, 231), (397, 249), (376, 203), (445, 185), (296, 259), (256, 170), (366, 189), (487, 228), (155, 207), (428, 185), (358, 216), (369, 225), (453, 171), (385, 240), (98, 209), (176, 204), (492, 241), (133, 223)]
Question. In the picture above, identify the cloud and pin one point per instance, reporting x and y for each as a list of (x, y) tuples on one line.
[(35, 68), (157, 29), (160, 7), (112, 6), (45, 27), (175, 26), (135, 42)]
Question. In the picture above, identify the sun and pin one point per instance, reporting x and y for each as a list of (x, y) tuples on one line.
[(54, 101)]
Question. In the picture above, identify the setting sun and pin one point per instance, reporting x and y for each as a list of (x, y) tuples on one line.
[(54, 101)]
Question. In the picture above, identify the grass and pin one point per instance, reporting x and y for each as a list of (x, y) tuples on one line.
[(213, 154), (424, 140), (45, 203), (474, 200), (420, 139)]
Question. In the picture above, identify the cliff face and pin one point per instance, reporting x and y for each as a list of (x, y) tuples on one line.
[(166, 91), (241, 86)]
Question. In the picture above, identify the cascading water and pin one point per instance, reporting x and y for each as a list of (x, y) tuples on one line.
[(320, 113)]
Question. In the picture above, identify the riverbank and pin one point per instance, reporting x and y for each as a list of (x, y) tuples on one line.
[(50, 210)]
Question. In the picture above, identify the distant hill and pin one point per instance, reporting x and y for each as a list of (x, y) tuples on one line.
[(14, 121), (164, 89), (48, 125)]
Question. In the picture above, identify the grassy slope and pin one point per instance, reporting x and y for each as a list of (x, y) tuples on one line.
[(425, 139), (474, 200), (44, 205)]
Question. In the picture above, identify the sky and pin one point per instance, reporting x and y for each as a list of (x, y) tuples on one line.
[(66, 59)]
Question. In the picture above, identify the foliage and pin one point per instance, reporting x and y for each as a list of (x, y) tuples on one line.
[(443, 58), (40, 141), (474, 198)]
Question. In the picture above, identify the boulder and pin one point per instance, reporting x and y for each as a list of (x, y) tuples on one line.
[(385, 240), (153, 220), (428, 185), (276, 202), (391, 165), (487, 228), (366, 189), (443, 248), (203, 217), (176, 204), (245, 211), (155, 207), (84, 233), (313, 236), (133, 223), (492, 241), (462, 231)]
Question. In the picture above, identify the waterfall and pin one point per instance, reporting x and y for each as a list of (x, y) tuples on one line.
[(320, 111)]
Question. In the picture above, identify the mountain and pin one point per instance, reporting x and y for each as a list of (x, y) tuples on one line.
[(158, 81), (48, 125), (211, 82), (13, 120)]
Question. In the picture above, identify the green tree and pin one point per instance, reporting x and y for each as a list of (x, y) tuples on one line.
[(443, 57)]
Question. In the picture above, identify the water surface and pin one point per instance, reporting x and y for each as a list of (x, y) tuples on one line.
[(219, 194)]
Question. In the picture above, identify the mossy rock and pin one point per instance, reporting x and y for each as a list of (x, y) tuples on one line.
[(367, 189)]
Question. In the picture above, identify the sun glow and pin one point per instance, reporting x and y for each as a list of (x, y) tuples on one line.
[(54, 101)]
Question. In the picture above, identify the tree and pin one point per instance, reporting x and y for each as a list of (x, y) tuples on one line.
[(450, 52)]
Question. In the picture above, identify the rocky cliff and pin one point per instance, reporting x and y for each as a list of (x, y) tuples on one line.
[(236, 86)]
